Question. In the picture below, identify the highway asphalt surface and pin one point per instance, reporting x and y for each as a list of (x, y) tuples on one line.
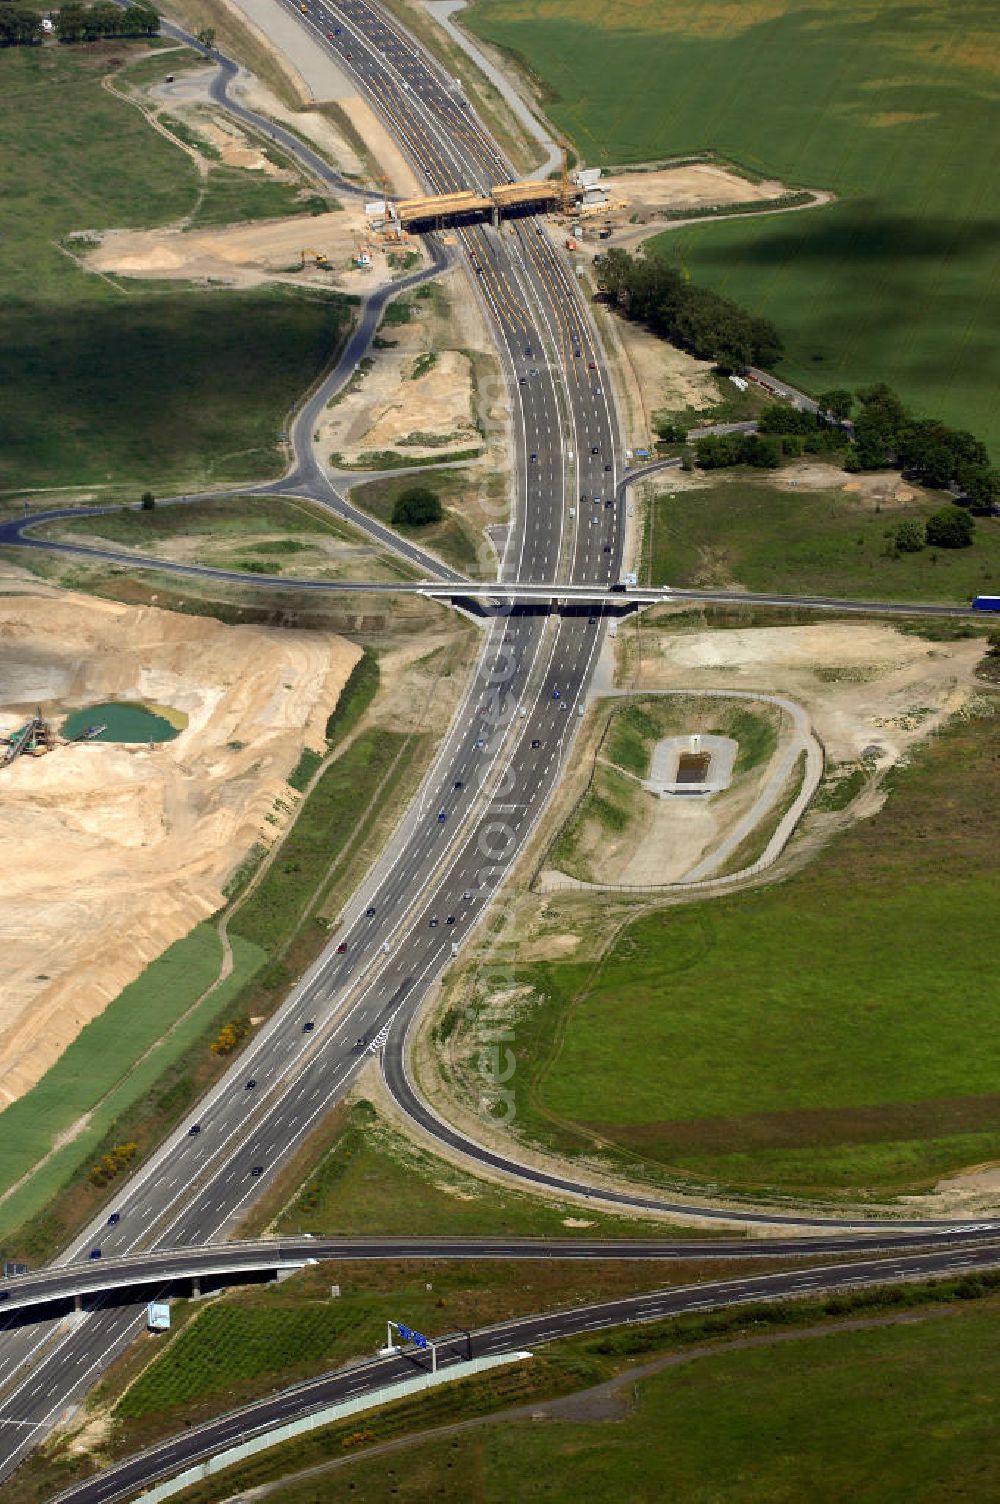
[(499, 762), (524, 1333), (176, 1267)]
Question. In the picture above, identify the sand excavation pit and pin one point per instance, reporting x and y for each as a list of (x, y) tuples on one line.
[(112, 852), (247, 254)]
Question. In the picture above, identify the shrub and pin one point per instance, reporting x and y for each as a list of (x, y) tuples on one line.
[(909, 537)]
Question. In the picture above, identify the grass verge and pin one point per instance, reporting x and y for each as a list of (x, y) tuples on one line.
[(456, 538), (831, 1028), (827, 542)]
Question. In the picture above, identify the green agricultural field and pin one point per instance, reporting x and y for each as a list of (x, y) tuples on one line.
[(829, 542), (108, 381), (112, 1064), (831, 1034), (884, 1416), (888, 106)]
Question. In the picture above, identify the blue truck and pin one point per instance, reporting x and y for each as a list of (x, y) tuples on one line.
[(986, 603)]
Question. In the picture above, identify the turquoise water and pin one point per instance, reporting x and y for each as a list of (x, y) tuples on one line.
[(124, 720)]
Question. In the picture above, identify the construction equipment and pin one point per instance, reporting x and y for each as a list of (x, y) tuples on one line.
[(35, 737), (321, 260)]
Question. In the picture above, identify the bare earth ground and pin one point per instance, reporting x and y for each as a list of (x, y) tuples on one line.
[(245, 255), (695, 185), (113, 852), (188, 99), (316, 78), (390, 401), (863, 684)]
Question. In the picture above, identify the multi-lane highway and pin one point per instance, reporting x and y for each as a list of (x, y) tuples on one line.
[(498, 764), (522, 1333)]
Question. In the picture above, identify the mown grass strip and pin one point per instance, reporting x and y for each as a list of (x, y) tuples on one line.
[(326, 822)]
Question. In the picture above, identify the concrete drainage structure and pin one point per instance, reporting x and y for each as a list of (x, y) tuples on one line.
[(696, 764)]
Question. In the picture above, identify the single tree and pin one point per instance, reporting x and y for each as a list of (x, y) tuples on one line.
[(836, 404), (950, 528), (147, 501), (417, 506)]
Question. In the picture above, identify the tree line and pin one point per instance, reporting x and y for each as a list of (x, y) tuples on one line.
[(22, 27), (651, 291)]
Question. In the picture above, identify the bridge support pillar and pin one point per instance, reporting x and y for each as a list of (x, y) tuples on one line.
[(195, 1287)]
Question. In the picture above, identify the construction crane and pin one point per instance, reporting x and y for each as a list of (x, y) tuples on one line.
[(321, 260)]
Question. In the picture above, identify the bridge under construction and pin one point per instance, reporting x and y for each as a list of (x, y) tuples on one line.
[(437, 210)]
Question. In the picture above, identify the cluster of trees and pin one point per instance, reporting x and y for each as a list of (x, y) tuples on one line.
[(651, 291), (22, 27), (118, 1158), (719, 451), (951, 527), (417, 506), (783, 432), (887, 434)]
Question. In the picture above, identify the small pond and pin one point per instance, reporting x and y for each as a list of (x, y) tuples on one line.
[(126, 721)]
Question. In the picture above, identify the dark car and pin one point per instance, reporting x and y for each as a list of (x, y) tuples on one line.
[(591, 365), (114, 1219), (4, 1295), (555, 694), (251, 1083), (257, 1170), (442, 817), (458, 784), (528, 351), (607, 548), (595, 448), (609, 468), (433, 921), (342, 947), (533, 458), (195, 1128), (308, 1026), (370, 911), (450, 919), (535, 742), (95, 1253), (522, 381)]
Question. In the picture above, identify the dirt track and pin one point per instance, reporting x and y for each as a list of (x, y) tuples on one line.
[(113, 852)]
